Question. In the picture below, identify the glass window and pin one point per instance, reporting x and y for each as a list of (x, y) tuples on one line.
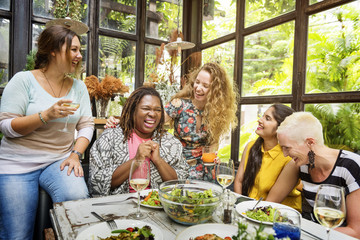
[(341, 124), (333, 63), (5, 4), (223, 54), (117, 58), (162, 70), (315, 1), (219, 19), (118, 15), (261, 10), (4, 50), (162, 19), (268, 61), (76, 9), (36, 30)]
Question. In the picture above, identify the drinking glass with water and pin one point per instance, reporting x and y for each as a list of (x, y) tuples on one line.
[(287, 223)]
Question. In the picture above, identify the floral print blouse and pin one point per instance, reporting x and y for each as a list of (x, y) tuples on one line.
[(184, 114)]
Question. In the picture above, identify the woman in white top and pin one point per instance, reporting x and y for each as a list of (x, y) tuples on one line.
[(33, 152)]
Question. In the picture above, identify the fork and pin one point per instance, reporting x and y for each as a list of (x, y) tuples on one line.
[(114, 202), (111, 223)]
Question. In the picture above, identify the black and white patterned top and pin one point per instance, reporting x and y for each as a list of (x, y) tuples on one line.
[(109, 151), (346, 173)]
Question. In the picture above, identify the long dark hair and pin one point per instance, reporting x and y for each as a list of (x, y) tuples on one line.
[(127, 120), (254, 162)]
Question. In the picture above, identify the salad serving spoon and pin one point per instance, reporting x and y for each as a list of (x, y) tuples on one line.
[(261, 198)]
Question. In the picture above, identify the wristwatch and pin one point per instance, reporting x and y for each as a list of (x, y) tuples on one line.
[(77, 153)]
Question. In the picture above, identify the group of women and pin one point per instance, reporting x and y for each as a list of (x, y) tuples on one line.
[(34, 153)]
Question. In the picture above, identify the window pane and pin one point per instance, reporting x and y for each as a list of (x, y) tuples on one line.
[(260, 10), (219, 19), (162, 18), (222, 54), (162, 71), (117, 58), (341, 124), (5, 4), (118, 15), (333, 63), (4, 50), (36, 30), (268, 61), (315, 1), (76, 10)]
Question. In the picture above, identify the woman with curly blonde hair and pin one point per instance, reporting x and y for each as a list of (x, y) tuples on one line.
[(203, 111)]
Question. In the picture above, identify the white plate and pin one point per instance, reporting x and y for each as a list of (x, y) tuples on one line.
[(102, 229), (222, 230), (242, 207), (144, 193)]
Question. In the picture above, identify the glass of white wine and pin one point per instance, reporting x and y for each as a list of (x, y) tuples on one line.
[(139, 179), (329, 206), (73, 104), (225, 172)]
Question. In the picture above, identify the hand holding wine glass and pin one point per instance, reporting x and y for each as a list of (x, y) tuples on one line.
[(329, 206), (225, 172), (139, 179), (70, 107)]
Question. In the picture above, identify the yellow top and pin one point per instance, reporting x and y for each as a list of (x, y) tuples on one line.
[(272, 164)]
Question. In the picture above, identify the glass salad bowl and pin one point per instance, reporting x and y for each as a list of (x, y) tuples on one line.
[(189, 202)]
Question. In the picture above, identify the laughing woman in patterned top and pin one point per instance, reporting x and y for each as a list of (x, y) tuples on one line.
[(140, 135)]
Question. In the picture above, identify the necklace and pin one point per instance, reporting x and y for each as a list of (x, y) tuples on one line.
[(51, 86)]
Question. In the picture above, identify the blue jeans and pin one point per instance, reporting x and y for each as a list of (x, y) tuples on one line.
[(19, 195)]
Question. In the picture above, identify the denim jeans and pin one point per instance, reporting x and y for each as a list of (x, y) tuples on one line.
[(19, 195)]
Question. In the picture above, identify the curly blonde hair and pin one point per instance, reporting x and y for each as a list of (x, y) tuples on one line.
[(219, 113)]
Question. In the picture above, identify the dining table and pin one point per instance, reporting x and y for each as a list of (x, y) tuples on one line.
[(70, 218)]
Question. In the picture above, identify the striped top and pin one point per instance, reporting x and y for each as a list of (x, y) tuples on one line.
[(346, 173)]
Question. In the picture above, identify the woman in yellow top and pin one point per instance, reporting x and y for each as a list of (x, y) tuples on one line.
[(263, 161)]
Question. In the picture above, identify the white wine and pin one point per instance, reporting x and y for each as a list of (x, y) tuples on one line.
[(73, 105), (139, 183), (329, 217), (224, 180)]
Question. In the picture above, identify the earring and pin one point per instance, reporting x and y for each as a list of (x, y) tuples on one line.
[(311, 156)]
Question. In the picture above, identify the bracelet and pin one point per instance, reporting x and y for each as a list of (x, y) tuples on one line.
[(77, 153), (41, 118)]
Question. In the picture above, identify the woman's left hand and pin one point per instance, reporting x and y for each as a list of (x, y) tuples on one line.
[(73, 163), (155, 152)]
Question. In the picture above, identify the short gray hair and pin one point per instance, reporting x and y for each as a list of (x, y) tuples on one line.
[(301, 125)]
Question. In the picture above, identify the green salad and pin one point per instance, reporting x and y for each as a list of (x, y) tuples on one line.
[(152, 199), (190, 207), (262, 214)]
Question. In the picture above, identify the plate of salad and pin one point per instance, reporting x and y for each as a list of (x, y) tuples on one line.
[(127, 229), (150, 198), (263, 213)]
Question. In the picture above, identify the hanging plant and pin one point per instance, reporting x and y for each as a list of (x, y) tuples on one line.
[(75, 9)]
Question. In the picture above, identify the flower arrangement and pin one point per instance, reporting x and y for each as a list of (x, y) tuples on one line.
[(103, 91), (106, 88)]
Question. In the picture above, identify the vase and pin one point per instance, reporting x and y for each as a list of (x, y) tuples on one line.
[(102, 108)]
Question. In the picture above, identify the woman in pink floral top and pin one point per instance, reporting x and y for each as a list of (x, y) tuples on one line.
[(202, 112)]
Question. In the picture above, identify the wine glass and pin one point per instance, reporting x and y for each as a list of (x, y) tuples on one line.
[(208, 155), (329, 206), (225, 173), (139, 179), (287, 223), (73, 104)]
